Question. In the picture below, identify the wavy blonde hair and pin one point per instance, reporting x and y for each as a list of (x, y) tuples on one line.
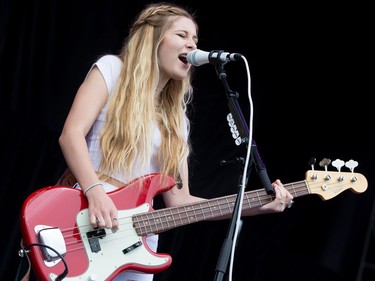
[(133, 111)]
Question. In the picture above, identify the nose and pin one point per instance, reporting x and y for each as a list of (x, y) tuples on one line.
[(192, 44)]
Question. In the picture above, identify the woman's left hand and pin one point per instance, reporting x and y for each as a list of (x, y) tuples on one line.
[(283, 199)]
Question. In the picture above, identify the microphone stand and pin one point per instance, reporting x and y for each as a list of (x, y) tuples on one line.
[(254, 160)]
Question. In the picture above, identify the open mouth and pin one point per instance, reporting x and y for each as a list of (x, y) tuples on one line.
[(183, 58)]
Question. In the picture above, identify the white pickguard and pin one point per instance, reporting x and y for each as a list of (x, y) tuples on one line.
[(111, 257)]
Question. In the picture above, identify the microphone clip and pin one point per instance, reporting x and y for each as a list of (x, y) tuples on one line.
[(220, 57)]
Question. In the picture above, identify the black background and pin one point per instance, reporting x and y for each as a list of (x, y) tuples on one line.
[(310, 86)]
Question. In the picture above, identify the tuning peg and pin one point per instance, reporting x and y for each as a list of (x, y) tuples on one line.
[(338, 163), (351, 164), (324, 163), (312, 162)]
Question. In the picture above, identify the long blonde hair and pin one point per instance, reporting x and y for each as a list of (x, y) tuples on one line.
[(132, 110)]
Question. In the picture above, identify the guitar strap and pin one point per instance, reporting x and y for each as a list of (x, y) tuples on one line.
[(68, 179)]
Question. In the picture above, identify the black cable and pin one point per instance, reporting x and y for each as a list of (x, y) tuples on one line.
[(27, 248), (19, 270)]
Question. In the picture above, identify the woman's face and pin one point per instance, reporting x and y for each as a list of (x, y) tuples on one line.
[(179, 39)]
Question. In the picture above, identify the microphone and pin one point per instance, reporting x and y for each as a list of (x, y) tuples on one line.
[(199, 57)]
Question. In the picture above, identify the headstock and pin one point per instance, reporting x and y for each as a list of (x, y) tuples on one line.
[(328, 184)]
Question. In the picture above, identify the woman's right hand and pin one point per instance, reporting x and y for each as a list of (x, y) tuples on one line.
[(102, 210)]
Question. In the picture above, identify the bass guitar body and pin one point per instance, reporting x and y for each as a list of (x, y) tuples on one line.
[(60, 239)]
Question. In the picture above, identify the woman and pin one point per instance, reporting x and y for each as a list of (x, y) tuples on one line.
[(129, 119)]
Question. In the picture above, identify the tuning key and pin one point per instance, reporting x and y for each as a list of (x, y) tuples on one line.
[(338, 163), (351, 164), (324, 163), (312, 162)]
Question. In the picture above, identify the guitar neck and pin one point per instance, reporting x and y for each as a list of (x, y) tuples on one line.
[(169, 218)]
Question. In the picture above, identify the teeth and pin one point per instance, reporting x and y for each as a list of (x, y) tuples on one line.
[(182, 58)]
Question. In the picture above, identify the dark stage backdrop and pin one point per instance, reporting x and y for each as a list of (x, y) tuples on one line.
[(311, 98)]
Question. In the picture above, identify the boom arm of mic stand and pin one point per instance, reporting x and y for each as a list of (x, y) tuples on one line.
[(242, 127), (261, 169)]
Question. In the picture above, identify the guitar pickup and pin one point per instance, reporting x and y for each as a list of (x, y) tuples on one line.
[(93, 238), (132, 247)]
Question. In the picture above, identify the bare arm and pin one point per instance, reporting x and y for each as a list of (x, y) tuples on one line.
[(176, 197), (90, 98)]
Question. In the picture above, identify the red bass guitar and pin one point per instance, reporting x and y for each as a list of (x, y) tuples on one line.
[(60, 241)]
